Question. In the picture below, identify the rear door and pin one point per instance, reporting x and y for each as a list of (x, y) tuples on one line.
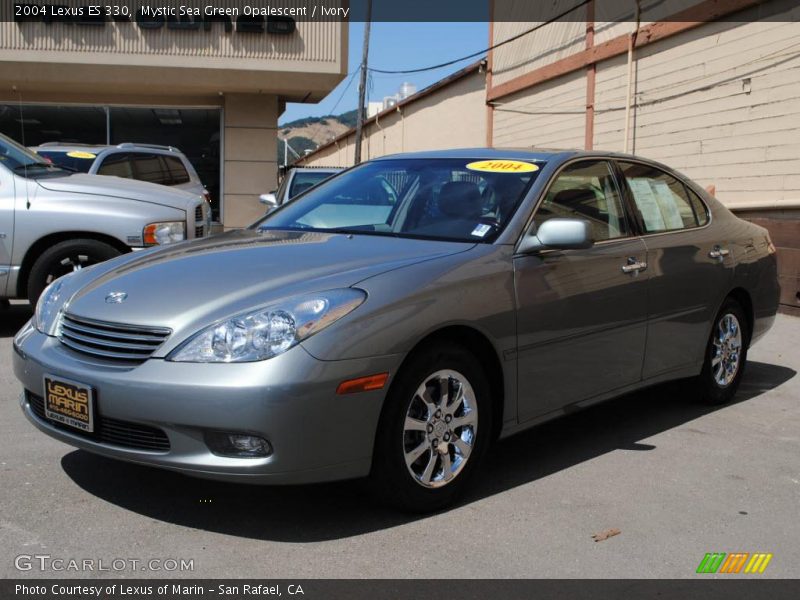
[(690, 270), (581, 320)]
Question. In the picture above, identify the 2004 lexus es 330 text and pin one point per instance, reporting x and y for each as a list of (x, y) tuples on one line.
[(395, 320)]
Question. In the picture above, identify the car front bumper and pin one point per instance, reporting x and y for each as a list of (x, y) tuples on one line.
[(289, 400)]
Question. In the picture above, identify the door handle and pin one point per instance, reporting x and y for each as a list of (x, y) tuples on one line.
[(634, 265), (719, 252)]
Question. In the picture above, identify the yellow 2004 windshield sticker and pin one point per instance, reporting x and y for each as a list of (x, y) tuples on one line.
[(77, 154), (502, 166)]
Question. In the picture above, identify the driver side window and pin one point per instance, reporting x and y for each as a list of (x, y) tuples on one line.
[(586, 190)]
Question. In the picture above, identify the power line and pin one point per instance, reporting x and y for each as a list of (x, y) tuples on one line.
[(483, 52)]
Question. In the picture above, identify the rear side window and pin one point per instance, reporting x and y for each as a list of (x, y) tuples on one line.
[(586, 190), (150, 167), (176, 171), (117, 165), (663, 202)]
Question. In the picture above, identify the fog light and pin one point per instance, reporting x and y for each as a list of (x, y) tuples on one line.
[(238, 445)]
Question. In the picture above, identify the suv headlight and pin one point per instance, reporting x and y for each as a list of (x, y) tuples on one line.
[(51, 301), (269, 331), (164, 233)]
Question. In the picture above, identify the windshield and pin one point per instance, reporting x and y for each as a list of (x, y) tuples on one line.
[(443, 199), (74, 160), (22, 161)]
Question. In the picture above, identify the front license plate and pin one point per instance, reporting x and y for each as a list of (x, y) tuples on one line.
[(69, 402)]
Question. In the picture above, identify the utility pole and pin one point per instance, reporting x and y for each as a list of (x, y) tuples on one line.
[(362, 86)]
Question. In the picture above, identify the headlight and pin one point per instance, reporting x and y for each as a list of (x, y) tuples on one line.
[(50, 302), (164, 233), (269, 331)]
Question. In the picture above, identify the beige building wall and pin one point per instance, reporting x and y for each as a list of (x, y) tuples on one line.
[(720, 103), (553, 117), (451, 116), (250, 169)]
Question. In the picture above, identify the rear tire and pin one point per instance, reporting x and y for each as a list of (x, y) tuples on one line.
[(434, 430), (726, 355), (64, 258)]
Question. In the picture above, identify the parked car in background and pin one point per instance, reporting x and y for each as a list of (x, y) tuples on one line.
[(164, 165), (296, 181), (396, 320), (54, 221)]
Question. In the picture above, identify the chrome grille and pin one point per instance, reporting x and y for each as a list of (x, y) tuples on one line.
[(198, 232), (110, 431), (198, 213), (114, 341)]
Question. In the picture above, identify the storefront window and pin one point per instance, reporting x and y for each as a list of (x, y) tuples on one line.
[(194, 131), (34, 125)]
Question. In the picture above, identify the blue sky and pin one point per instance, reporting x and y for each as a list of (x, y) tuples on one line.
[(396, 46)]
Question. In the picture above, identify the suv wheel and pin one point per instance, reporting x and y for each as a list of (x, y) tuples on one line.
[(65, 257), (434, 430)]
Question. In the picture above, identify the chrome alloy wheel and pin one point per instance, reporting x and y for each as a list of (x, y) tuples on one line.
[(726, 350), (440, 428)]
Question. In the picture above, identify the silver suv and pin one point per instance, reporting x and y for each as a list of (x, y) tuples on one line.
[(164, 165), (53, 220)]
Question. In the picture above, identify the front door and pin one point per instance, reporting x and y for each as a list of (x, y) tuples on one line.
[(582, 314)]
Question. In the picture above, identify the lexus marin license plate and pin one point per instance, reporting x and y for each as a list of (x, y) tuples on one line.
[(69, 402)]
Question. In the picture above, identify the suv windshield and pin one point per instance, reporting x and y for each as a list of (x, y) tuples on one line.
[(443, 199), (24, 162), (80, 161)]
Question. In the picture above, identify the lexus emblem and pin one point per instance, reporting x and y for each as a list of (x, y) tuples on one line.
[(116, 298)]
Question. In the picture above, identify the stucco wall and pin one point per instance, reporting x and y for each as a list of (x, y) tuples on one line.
[(251, 168)]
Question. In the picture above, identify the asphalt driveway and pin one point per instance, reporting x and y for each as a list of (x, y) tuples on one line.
[(675, 478)]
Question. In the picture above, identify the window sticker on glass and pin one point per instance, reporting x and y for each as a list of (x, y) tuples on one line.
[(481, 230), (647, 203), (502, 166), (667, 203), (78, 154)]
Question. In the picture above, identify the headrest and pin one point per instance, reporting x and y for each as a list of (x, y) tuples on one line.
[(461, 199)]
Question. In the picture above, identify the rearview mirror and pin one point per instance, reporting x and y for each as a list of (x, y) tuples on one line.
[(559, 234), (269, 200)]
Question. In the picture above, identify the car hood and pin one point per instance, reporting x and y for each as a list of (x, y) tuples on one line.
[(118, 187), (190, 285)]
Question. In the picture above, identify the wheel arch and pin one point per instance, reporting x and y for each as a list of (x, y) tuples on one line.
[(479, 344), (742, 296), (42, 244)]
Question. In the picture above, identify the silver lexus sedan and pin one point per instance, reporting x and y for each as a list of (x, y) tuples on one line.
[(398, 318)]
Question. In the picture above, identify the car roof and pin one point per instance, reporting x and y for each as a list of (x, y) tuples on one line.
[(97, 148), (534, 154)]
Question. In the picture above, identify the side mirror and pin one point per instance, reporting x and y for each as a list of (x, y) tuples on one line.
[(559, 234), (269, 200)]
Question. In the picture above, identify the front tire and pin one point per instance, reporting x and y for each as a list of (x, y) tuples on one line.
[(63, 258), (434, 430), (726, 354)]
